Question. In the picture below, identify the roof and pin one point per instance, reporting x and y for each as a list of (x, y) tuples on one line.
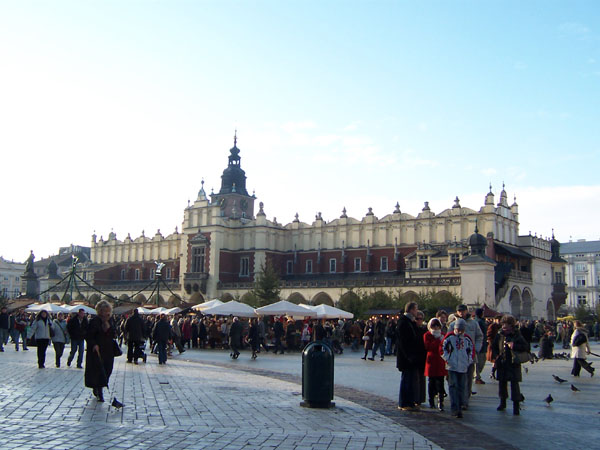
[(513, 251), (579, 247)]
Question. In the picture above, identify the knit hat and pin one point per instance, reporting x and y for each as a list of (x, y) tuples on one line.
[(434, 323), (460, 324)]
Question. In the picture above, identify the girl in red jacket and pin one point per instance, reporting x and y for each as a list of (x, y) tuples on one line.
[(435, 366)]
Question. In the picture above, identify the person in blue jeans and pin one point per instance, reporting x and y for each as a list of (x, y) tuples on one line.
[(161, 335), (458, 352), (77, 328)]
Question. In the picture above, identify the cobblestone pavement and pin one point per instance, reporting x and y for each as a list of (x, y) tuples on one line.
[(572, 421), (180, 405)]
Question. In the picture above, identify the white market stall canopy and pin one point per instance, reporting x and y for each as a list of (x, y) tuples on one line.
[(157, 311), (86, 309), (231, 308), (143, 310), (208, 304), (285, 308), (48, 307), (175, 310), (330, 312)]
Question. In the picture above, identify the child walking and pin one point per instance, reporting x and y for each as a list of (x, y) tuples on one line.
[(458, 353), (435, 366)]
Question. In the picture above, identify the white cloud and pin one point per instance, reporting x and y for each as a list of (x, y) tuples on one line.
[(489, 172)]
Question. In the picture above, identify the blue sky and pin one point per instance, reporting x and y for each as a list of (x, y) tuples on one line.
[(114, 111)]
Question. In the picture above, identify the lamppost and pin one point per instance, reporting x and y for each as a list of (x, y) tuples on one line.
[(158, 275)]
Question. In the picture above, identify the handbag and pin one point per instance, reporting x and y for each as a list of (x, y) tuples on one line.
[(116, 349), (366, 338), (523, 357)]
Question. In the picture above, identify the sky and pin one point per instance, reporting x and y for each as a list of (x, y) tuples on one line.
[(112, 112)]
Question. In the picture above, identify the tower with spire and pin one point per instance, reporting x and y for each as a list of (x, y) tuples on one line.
[(233, 198)]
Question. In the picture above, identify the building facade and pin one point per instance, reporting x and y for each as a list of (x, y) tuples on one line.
[(582, 273), (224, 242), (10, 278)]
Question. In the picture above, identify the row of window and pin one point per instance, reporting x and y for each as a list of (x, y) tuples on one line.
[(137, 274), (582, 300), (580, 280), (245, 266)]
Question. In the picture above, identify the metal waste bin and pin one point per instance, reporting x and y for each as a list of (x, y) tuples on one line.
[(317, 376)]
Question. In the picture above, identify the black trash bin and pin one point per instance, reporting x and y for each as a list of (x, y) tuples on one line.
[(317, 376)]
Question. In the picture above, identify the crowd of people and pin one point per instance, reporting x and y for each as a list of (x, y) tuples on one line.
[(448, 349)]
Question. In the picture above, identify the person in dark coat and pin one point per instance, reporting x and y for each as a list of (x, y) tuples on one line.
[(507, 344), (367, 338), (254, 338), (278, 334), (134, 327), (421, 353), (235, 338), (407, 358), (100, 355), (77, 328), (378, 339), (547, 344), (202, 334), (161, 333)]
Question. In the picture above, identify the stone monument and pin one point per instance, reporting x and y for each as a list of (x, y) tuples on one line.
[(30, 279)]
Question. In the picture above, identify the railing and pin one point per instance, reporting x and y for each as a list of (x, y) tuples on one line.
[(520, 276), (195, 276)]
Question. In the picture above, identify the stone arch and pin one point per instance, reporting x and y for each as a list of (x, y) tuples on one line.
[(350, 301), (527, 302), (124, 298), (54, 298), (296, 298), (409, 296), (94, 298), (322, 298), (550, 311), (140, 299), (66, 298), (157, 300), (515, 302), (80, 298), (174, 300), (196, 298), (226, 297)]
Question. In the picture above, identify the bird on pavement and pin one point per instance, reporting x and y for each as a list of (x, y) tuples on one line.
[(574, 389), (559, 379), (549, 399), (526, 370), (116, 403)]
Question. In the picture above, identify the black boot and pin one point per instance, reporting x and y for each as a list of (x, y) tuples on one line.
[(431, 403), (99, 395), (516, 408), (502, 405)]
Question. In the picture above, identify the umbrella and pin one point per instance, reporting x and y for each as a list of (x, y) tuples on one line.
[(285, 308), (231, 308), (208, 304), (157, 311), (48, 307), (329, 312), (86, 309)]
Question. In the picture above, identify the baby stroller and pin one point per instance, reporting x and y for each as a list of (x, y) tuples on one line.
[(138, 351)]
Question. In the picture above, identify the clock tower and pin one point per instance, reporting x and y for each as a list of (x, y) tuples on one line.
[(233, 198)]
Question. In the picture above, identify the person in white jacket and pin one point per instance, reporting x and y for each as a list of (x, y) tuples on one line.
[(458, 351), (580, 348)]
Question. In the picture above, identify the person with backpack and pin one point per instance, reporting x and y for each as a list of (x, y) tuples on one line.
[(580, 348)]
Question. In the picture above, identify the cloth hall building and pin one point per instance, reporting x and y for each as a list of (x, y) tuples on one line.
[(226, 238)]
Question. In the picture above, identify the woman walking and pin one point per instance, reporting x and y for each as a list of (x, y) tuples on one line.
[(368, 338), (254, 338), (100, 355), (42, 331), (507, 344), (580, 348), (60, 338)]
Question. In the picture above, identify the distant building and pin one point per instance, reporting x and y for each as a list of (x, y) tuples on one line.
[(10, 278), (582, 272), (223, 245)]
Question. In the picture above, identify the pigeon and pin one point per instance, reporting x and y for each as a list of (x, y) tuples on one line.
[(526, 370), (574, 389), (559, 379), (549, 399), (116, 403)]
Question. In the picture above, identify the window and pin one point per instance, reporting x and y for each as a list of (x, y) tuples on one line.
[(290, 267), (137, 274), (122, 274), (581, 267), (383, 264), (198, 259), (84, 276), (168, 273), (309, 266), (423, 262), (332, 265), (357, 264), (580, 280), (244, 267), (558, 277), (581, 300), (152, 274), (454, 259)]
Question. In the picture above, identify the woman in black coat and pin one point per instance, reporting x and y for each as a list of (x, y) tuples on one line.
[(100, 354), (507, 344), (368, 335)]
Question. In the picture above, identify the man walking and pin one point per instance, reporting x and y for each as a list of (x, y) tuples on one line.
[(161, 334), (77, 328), (134, 329)]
